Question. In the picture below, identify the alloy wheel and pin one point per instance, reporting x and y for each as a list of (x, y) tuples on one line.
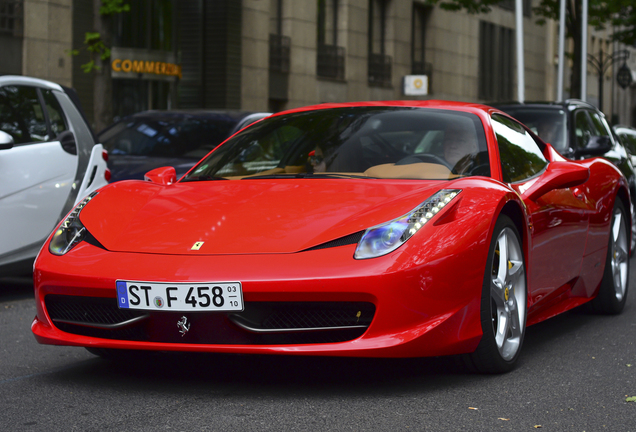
[(508, 294), (620, 254)]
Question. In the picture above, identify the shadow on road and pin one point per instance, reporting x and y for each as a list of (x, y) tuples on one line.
[(275, 375), (16, 288), (190, 373)]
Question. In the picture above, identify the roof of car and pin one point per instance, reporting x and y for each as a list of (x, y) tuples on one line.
[(23, 80), (234, 114), (578, 103)]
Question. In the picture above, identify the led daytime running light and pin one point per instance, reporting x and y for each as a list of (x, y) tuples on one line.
[(425, 212), (383, 239), (71, 231), (74, 214)]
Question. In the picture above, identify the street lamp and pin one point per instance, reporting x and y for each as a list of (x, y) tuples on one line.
[(624, 76), (602, 64)]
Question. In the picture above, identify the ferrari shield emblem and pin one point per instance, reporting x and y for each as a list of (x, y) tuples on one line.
[(197, 245)]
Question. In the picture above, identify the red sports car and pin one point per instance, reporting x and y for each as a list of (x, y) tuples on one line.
[(377, 229)]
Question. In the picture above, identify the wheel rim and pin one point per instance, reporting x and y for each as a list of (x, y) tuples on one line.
[(620, 254), (508, 294)]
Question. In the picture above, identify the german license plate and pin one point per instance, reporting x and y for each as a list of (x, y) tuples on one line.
[(212, 296)]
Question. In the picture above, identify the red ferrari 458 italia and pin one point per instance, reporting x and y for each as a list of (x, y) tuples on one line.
[(377, 229)]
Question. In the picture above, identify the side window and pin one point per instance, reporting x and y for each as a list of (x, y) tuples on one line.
[(56, 115), (629, 141), (584, 129), (521, 157), (21, 114)]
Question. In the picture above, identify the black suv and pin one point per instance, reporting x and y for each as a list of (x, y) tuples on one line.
[(577, 130)]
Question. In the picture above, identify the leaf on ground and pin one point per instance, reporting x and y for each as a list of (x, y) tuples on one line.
[(504, 419), (631, 399)]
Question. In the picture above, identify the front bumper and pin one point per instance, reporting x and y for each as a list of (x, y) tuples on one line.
[(404, 304)]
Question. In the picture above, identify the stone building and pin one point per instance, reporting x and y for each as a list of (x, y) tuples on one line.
[(280, 54)]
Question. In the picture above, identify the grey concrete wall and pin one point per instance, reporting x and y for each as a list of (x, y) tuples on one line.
[(47, 40)]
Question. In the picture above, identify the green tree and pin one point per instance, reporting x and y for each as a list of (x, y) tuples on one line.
[(99, 45), (621, 14)]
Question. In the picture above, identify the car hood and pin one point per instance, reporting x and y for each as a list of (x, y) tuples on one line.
[(245, 216)]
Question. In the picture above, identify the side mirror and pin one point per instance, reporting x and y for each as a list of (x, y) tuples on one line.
[(67, 140), (163, 176), (6, 141), (596, 146), (558, 175)]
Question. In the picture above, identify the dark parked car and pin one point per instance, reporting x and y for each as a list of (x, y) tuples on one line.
[(627, 135), (577, 130), (151, 139)]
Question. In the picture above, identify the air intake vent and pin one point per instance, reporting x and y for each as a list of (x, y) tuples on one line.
[(342, 241)]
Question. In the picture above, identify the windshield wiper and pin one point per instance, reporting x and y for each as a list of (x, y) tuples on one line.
[(202, 178)]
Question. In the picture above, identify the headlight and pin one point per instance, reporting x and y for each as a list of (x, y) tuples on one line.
[(71, 231), (385, 238)]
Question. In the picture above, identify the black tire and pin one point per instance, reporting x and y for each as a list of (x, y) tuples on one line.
[(612, 294), (632, 211), (498, 351)]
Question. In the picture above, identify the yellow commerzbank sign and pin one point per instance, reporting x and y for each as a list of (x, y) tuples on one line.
[(146, 67)]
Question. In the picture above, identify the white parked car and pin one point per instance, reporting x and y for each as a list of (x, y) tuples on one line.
[(49, 161)]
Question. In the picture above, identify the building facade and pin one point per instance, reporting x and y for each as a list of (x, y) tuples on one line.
[(269, 55)]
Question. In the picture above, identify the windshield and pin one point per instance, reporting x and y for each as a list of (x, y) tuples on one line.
[(549, 124), (368, 142), (180, 137)]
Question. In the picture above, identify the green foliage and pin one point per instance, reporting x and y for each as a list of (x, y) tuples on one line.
[(631, 399), (471, 6), (93, 40), (112, 7), (621, 14), (90, 66)]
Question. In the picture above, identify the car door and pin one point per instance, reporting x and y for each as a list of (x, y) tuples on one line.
[(559, 219), (36, 173)]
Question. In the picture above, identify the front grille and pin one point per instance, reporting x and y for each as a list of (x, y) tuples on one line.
[(261, 323), (88, 310), (304, 316)]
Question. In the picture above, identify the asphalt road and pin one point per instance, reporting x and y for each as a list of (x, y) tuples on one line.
[(575, 374)]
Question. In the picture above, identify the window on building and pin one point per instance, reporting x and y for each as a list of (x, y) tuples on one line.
[(420, 16), (11, 17), (379, 62), (148, 24), (330, 61), (279, 45), (496, 56), (510, 5), (279, 59)]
